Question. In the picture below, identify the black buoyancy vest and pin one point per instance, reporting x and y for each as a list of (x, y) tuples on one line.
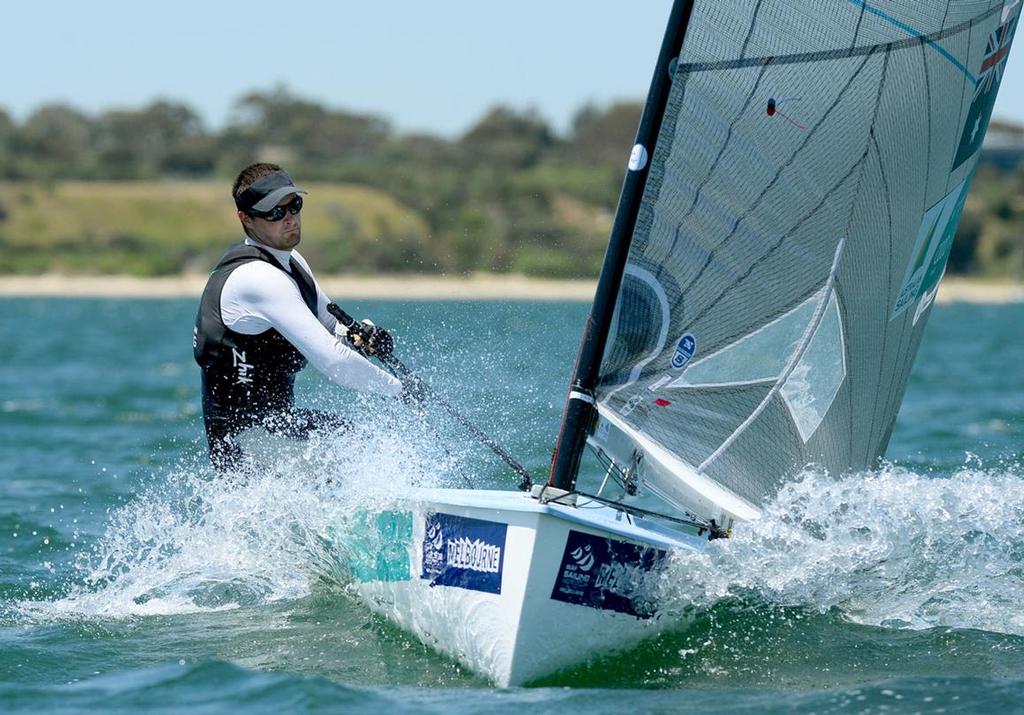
[(245, 377)]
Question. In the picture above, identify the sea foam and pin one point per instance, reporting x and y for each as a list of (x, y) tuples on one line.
[(888, 548)]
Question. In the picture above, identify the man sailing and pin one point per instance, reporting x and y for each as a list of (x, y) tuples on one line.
[(261, 317)]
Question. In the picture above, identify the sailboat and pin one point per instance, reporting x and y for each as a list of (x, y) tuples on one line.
[(785, 220)]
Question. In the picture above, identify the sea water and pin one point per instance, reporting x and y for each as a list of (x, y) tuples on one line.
[(131, 579)]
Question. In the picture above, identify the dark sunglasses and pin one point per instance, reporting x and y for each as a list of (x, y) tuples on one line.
[(277, 213)]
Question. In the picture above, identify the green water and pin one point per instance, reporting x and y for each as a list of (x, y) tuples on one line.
[(130, 580)]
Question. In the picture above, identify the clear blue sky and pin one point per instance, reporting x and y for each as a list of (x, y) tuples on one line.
[(425, 66)]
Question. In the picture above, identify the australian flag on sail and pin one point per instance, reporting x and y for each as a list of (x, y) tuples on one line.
[(992, 66)]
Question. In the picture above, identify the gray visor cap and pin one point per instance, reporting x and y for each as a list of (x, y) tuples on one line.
[(265, 193), (274, 197)]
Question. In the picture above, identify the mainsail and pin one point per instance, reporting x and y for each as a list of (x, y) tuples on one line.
[(801, 200)]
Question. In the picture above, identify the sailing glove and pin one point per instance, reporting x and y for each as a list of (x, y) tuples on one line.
[(376, 340), (367, 338)]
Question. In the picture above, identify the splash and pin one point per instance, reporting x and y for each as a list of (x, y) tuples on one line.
[(193, 542), (891, 548)]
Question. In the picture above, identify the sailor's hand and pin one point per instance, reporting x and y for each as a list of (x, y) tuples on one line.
[(375, 340)]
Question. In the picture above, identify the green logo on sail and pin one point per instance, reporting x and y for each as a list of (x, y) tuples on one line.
[(931, 250)]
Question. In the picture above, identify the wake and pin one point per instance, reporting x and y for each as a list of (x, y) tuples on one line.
[(891, 548)]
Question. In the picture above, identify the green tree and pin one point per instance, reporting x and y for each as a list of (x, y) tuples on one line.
[(507, 139), (165, 138), (280, 125), (604, 137), (54, 142)]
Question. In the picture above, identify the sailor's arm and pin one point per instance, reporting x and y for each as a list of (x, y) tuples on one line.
[(325, 318), (276, 298)]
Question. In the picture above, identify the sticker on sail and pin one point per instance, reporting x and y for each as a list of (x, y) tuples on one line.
[(659, 383), (990, 74), (608, 574), (463, 552), (685, 349), (631, 404), (931, 249)]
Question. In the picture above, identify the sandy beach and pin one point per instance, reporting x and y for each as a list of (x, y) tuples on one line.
[(411, 287), (475, 287)]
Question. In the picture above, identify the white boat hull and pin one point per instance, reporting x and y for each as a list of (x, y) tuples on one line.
[(512, 588)]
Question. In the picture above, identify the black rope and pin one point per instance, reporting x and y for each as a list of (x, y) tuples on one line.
[(422, 418), (398, 368)]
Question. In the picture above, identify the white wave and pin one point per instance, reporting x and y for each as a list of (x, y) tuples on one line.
[(192, 542), (890, 548)]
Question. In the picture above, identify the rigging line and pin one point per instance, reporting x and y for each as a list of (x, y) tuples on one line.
[(805, 343), (689, 520), (422, 419), (824, 55)]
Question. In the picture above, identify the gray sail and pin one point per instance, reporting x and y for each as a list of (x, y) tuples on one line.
[(802, 200)]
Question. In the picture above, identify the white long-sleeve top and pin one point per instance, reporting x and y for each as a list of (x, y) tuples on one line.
[(257, 297)]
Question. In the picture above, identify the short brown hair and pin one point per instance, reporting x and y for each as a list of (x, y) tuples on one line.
[(250, 175)]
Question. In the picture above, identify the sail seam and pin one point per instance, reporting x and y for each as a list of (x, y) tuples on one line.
[(888, 292), (750, 30), (659, 292), (824, 55), (928, 114), (917, 35), (872, 142), (963, 90)]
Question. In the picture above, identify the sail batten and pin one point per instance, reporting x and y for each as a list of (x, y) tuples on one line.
[(801, 201)]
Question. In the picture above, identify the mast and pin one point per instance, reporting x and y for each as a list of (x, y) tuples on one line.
[(578, 416)]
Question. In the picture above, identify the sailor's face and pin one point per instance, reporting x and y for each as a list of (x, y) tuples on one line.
[(283, 235)]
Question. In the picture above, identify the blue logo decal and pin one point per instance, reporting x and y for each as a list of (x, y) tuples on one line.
[(607, 574), (685, 349), (463, 552)]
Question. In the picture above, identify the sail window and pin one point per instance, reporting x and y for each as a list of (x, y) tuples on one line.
[(812, 386), (762, 356)]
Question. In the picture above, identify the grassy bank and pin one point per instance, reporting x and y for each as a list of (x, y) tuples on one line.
[(166, 228)]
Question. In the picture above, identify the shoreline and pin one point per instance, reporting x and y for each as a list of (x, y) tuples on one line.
[(412, 287), (397, 287)]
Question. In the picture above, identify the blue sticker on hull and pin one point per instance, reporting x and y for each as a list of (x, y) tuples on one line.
[(607, 574), (463, 552)]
